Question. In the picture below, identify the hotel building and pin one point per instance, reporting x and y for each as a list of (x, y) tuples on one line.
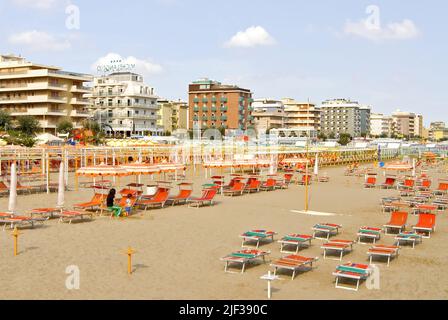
[(173, 115), (381, 125), (268, 114), (124, 105), (406, 124), (301, 115), (45, 92), (341, 116), (216, 105)]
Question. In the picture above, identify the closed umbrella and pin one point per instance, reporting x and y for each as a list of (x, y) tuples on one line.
[(316, 165), (61, 186), (13, 189)]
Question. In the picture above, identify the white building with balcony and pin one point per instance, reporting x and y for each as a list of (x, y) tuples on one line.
[(268, 114), (124, 105)]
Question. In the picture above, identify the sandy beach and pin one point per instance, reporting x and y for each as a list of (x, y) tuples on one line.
[(179, 248)]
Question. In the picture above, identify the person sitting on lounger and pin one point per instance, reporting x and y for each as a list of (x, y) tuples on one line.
[(110, 202)]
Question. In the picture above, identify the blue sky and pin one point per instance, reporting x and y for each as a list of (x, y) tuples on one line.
[(302, 49)]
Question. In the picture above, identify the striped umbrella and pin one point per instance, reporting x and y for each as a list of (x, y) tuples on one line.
[(398, 166), (102, 170), (141, 168)]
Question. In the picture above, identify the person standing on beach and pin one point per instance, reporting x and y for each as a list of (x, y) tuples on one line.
[(128, 206), (110, 202)]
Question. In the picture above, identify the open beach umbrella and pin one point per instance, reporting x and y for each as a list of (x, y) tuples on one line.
[(316, 165), (13, 189), (398, 166), (102, 170), (61, 186)]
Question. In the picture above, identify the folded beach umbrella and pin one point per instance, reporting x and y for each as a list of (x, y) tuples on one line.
[(61, 186), (316, 165), (13, 189)]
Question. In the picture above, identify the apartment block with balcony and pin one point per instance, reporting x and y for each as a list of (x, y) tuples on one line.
[(45, 92), (301, 115), (381, 125), (268, 114), (216, 105), (405, 123), (173, 115), (438, 131), (124, 105), (341, 116)]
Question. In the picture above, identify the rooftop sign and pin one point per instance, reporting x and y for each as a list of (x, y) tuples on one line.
[(115, 66)]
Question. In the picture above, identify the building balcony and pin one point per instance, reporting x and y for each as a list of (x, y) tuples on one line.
[(196, 109), (39, 112), (79, 114), (196, 100), (204, 109), (32, 86), (80, 101), (32, 99), (224, 109), (81, 89), (223, 99)]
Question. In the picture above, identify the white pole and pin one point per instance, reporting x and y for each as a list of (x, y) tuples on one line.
[(13, 189)]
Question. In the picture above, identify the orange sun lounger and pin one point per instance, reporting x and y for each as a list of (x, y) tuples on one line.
[(293, 263), (328, 229), (95, 203), (370, 182), (19, 221), (208, 195), (425, 225), (383, 251), (185, 191), (243, 257), (342, 246), (158, 200), (252, 185), (236, 190), (69, 216), (397, 221)]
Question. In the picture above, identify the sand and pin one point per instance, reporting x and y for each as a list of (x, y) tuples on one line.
[(178, 249)]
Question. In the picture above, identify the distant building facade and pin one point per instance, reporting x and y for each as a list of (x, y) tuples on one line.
[(124, 105), (216, 105), (381, 125), (301, 115), (45, 92), (341, 116), (268, 114), (173, 115)]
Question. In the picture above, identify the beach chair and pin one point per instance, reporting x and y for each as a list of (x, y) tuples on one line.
[(341, 246), (441, 203), (442, 189), (29, 189), (185, 191), (328, 229), (369, 233), (207, 197), (157, 200), (383, 251), (409, 237), (370, 182), (236, 190), (232, 182), (257, 236), (397, 221), (69, 216), (244, 257), (19, 221), (95, 203), (4, 190), (351, 271), (49, 213), (294, 240), (425, 185), (284, 184), (268, 185), (425, 225), (389, 183), (293, 263), (252, 185), (407, 187), (324, 178), (305, 180)]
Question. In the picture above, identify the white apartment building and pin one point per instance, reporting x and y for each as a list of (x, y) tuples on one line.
[(268, 114), (381, 124), (124, 105)]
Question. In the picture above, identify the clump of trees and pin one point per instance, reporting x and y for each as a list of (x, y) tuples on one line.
[(21, 132)]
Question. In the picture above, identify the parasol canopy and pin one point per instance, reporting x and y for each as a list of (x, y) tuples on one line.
[(103, 170)]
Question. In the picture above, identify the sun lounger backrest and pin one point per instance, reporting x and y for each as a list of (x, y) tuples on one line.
[(427, 219), (184, 194), (238, 186), (288, 177), (399, 218), (443, 186), (270, 182), (210, 194), (161, 194), (409, 182), (3, 186), (371, 180), (390, 181)]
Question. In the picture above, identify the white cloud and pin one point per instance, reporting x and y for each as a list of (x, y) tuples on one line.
[(40, 4), (251, 37), (144, 67), (39, 41), (393, 31)]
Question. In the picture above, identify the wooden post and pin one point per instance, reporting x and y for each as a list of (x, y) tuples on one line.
[(15, 234)]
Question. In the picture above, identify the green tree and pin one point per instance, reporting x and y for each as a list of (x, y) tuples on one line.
[(28, 125), (331, 135), (322, 136), (5, 120), (344, 139), (19, 138), (65, 126)]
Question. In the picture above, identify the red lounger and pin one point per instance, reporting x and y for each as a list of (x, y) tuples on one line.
[(158, 200), (342, 246), (397, 221), (383, 251), (96, 202), (74, 215), (354, 271), (206, 199), (426, 224), (236, 190)]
